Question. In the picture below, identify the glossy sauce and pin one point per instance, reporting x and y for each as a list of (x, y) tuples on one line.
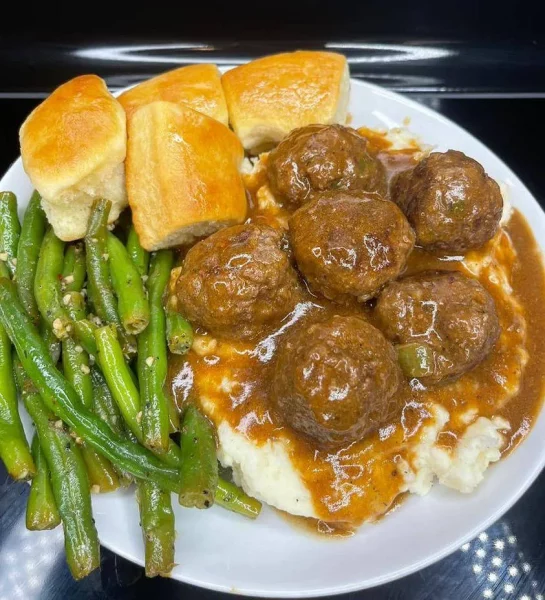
[(362, 482)]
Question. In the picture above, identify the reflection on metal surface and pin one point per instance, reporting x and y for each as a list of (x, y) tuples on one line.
[(28, 562), (388, 53), (358, 53), (500, 569), (161, 54)]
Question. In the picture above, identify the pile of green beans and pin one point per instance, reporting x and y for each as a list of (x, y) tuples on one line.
[(101, 421)]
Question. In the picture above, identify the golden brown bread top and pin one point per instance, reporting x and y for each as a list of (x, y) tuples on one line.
[(198, 86), (183, 176), (78, 129), (269, 97)]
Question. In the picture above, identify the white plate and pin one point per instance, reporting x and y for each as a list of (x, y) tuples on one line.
[(222, 551)]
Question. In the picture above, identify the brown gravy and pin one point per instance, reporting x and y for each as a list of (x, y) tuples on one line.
[(362, 482)]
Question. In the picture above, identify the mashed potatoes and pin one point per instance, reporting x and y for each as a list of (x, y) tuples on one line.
[(461, 467), (266, 471)]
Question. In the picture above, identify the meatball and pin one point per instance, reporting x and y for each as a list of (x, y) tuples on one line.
[(319, 158), (238, 281), (335, 381), (446, 317), (347, 245), (450, 201)]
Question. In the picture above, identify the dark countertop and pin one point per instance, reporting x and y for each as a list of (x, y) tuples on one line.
[(508, 560)]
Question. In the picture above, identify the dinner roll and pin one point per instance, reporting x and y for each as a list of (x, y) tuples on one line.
[(183, 177), (269, 97), (198, 86), (73, 146)]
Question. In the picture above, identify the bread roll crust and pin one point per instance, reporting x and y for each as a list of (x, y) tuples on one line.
[(198, 86), (183, 175), (73, 146), (269, 97), (80, 128)]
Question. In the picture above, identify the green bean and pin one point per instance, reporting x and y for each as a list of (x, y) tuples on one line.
[(83, 328), (232, 498), (157, 520), (70, 488), (132, 303), (28, 251), (61, 398), (75, 365), (156, 516), (100, 290), (84, 332), (51, 341), (102, 476), (179, 333), (41, 508), (105, 407), (117, 374), (103, 403), (75, 361), (139, 256), (14, 449), (152, 370), (123, 388), (4, 272), (75, 305), (98, 271), (173, 412), (73, 299), (415, 359), (199, 468), (10, 228), (74, 269), (47, 285)]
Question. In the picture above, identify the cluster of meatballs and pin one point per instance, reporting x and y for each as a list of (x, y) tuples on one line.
[(335, 379)]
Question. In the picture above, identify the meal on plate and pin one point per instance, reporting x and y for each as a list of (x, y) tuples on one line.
[(224, 289)]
